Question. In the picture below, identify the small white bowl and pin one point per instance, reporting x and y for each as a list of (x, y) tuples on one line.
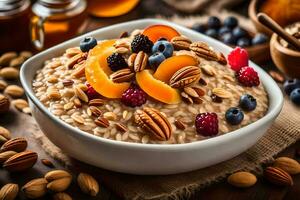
[(149, 159)]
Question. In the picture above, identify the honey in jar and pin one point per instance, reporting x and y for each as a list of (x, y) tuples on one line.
[(14, 25), (55, 21)]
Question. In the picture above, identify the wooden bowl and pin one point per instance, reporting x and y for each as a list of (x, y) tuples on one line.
[(252, 12), (287, 60), (283, 12)]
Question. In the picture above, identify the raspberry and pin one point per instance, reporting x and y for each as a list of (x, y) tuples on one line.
[(141, 43), (134, 96), (91, 92), (116, 62), (207, 124), (248, 77), (238, 58)]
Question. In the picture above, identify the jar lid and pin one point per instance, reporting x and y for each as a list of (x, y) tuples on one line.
[(58, 9), (12, 7)]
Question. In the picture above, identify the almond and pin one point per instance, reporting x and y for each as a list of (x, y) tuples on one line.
[(4, 104), (58, 180), (17, 62), (242, 179), (9, 191), (61, 196), (9, 73), (7, 57), (185, 76), (4, 156), (153, 121), (110, 116), (209, 70), (88, 184), (20, 103), (14, 91), (80, 94), (16, 144), (220, 92), (35, 188), (25, 54), (278, 176), (4, 135), (3, 85), (73, 51), (21, 161), (289, 165)]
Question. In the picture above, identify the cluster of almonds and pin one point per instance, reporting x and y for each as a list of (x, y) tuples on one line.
[(55, 181), (9, 71), (15, 158), (278, 174)]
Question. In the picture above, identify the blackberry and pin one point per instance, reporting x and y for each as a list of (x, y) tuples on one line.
[(116, 62), (141, 43)]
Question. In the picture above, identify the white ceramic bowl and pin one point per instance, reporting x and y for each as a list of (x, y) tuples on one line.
[(145, 158)]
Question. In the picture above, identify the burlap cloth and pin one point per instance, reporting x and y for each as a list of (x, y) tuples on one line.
[(284, 132)]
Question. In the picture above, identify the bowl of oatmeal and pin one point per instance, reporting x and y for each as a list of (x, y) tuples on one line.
[(159, 94)]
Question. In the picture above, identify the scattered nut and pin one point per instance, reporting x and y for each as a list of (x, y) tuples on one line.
[(59, 180), (4, 156), (7, 57), (21, 161), (289, 165), (9, 191), (3, 85), (19, 103), (88, 184), (17, 62), (4, 135), (61, 196), (35, 188), (4, 104), (47, 163), (14, 91), (278, 176), (242, 179)]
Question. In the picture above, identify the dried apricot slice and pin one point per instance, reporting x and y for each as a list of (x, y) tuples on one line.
[(155, 32), (171, 65), (156, 88), (99, 80)]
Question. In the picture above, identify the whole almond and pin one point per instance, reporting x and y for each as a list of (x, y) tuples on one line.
[(59, 180), (4, 104), (62, 196), (9, 191), (4, 156), (7, 57), (185, 76), (278, 176), (222, 93), (26, 54), (17, 62), (88, 184), (35, 188), (242, 179), (80, 94), (4, 135), (47, 163), (9, 73), (19, 103), (14, 91), (21, 161), (289, 165), (16, 144), (3, 85)]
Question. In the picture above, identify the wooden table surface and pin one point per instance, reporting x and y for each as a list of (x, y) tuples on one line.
[(15, 122)]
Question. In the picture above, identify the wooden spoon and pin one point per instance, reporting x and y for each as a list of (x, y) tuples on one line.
[(276, 28)]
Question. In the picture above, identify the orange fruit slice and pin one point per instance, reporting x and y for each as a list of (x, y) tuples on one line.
[(155, 32)]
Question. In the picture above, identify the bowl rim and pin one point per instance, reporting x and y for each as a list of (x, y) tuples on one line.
[(282, 49), (270, 115)]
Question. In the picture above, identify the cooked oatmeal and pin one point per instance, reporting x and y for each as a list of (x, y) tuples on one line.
[(64, 94)]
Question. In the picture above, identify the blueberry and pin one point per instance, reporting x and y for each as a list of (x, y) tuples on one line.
[(247, 102), (213, 22), (239, 32), (87, 43), (234, 116), (223, 30), (290, 85), (243, 42), (230, 22), (295, 96), (201, 28), (259, 39), (155, 59), (164, 47), (229, 38), (211, 33)]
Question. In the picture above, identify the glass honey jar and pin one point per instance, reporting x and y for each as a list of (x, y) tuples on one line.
[(14, 25), (55, 21)]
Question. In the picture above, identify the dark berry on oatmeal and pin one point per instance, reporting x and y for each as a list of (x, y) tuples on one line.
[(141, 43), (248, 77), (207, 124), (247, 102), (116, 62), (87, 43), (234, 116), (134, 96)]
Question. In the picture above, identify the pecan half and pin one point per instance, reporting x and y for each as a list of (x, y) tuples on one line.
[(181, 42), (101, 121), (79, 70), (75, 59), (185, 76), (123, 75), (193, 95), (153, 121), (138, 62), (21, 161), (202, 50)]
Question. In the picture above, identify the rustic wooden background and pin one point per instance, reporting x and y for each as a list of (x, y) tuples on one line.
[(15, 122)]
